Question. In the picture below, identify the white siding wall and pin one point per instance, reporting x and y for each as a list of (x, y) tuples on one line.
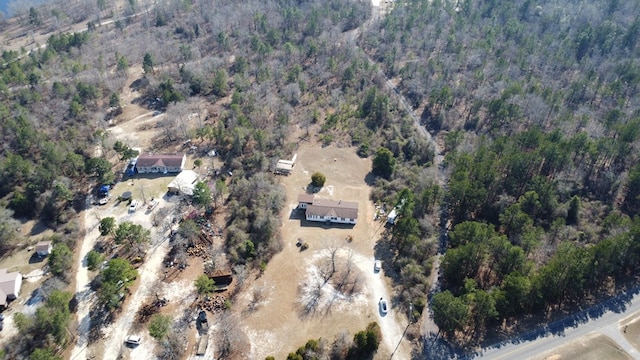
[(330, 219)]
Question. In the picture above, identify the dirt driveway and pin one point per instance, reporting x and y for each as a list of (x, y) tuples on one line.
[(280, 322)]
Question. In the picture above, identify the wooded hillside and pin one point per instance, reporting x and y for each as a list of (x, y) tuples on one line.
[(535, 105)]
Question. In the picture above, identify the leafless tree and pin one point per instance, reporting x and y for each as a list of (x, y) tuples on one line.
[(341, 345), (331, 258), (233, 342), (173, 347), (258, 295)]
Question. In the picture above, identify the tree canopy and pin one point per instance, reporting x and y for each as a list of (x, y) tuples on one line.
[(384, 163)]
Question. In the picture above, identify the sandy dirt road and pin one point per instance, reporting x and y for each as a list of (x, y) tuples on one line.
[(116, 333), (84, 294)]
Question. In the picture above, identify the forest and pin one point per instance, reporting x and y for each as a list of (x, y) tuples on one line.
[(533, 105)]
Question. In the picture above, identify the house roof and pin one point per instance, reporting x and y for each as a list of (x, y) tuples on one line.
[(3, 298), (341, 209), (184, 182), (306, 198), (286, 163), (8, 276), (161, 160), (43, 246), (284, 166), (8, 282)]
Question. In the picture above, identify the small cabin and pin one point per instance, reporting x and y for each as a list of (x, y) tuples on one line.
[(43, 248)]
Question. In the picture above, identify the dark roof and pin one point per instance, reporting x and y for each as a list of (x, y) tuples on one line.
[(168, 160), (341, 209), (306, 198)]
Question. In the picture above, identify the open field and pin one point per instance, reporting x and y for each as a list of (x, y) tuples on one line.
[(592, 347)]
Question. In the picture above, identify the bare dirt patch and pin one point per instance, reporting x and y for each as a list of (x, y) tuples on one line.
[(630, 329), (593, 347)]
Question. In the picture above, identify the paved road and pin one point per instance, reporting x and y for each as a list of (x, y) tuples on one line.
[(602, 318)]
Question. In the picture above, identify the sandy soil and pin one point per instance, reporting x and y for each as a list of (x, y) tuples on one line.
[(630, 328), (279, 324), (594, 347)]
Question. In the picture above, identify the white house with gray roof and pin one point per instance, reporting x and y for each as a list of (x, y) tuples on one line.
[(325, 210)]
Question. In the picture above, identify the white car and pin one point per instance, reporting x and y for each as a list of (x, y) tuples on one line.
[(133, 340), (377, 265), (383, 306), (103, 200), (152, 204), (133, 206)]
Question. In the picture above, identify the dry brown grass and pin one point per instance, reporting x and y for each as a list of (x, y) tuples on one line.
[(630, 329), (275, 325), (593, 347)]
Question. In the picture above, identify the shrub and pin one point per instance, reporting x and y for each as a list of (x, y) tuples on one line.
[(366, 342), (94, 259), (60, 260), (205, 285), (159, 326), (318, 179)]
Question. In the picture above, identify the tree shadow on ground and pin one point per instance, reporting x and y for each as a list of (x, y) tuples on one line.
[(434, 347), (385, 251), (370, 179)]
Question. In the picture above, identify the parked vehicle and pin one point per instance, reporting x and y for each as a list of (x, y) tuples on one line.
[(383, 306), (133, 340), (152, 204), (203, 324), (377, 265), (133, 206)]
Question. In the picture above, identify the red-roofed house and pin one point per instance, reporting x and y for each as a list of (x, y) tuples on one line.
[(160, 163)]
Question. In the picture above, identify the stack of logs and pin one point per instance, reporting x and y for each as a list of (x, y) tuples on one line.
[(213, 304), (198, 251), (148, 310)]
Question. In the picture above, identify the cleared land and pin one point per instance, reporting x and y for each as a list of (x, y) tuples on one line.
[(282, 321), (593, 347), (630, 329)]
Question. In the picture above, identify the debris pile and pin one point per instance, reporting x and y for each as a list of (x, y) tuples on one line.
[(198, 250), (213, 304)]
